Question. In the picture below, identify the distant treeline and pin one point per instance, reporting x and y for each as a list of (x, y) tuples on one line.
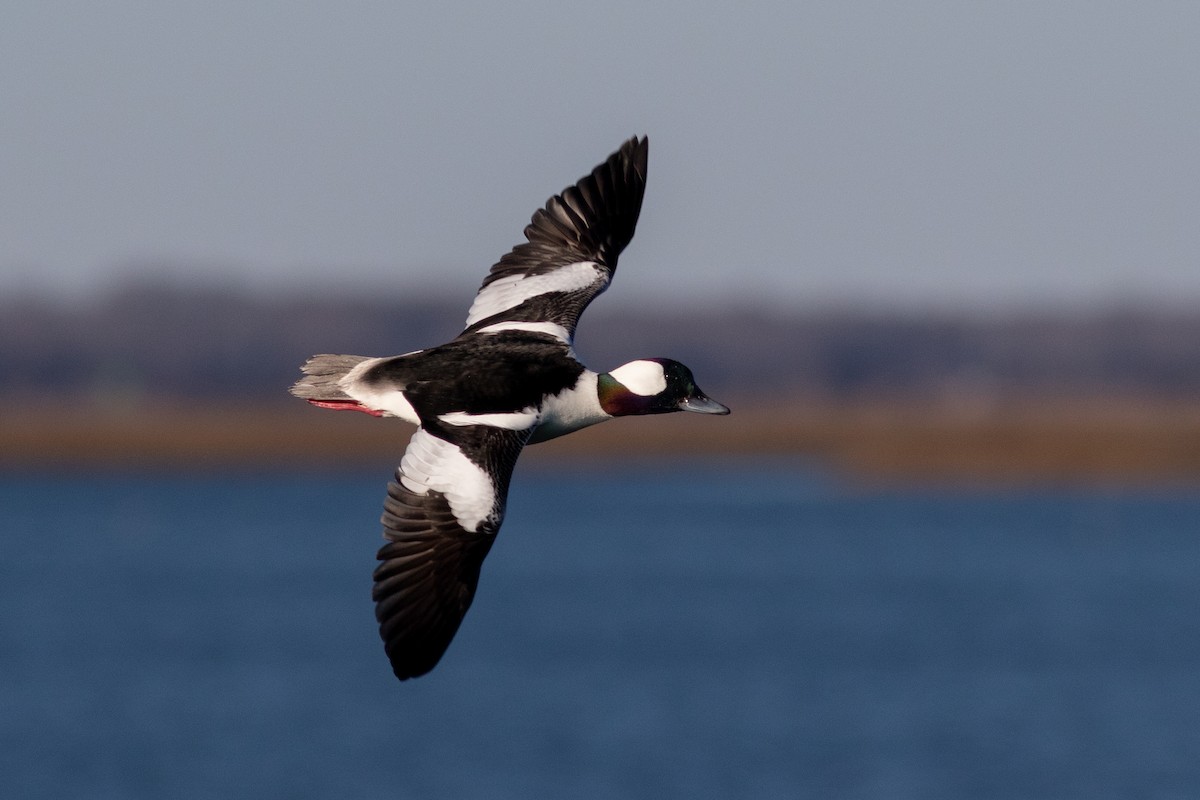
[(169, 341)]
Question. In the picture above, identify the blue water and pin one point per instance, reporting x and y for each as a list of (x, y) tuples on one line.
[(638, 633)]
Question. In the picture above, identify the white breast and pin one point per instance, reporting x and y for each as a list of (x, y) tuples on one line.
[(570, 410)]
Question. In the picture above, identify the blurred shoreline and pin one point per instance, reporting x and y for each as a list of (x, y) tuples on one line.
[(152, 375), (1133, 442)]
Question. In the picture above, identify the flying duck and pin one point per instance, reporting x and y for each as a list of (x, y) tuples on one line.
[(509, 379)]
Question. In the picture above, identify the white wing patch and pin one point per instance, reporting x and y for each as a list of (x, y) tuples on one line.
[(514, 421), (551, 328), (433, 463), (508, 293)]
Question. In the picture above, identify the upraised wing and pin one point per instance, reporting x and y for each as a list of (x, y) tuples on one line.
[(572, 248)]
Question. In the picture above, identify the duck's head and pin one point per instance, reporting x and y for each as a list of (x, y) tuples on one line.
[(653, 386)]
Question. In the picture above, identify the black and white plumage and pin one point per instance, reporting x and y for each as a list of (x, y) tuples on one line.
[(509, 379)]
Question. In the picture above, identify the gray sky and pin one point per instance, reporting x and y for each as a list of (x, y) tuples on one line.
[(890, 153)]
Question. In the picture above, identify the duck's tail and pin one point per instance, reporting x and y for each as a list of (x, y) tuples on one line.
[(322, 376)]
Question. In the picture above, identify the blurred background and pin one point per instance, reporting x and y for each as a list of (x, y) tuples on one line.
[(940, 258)]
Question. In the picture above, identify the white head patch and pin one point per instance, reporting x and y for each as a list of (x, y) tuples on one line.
[(645, 378)]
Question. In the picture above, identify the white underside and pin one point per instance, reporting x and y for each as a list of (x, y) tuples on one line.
[(391, 402), (521, 420), (434, 464)]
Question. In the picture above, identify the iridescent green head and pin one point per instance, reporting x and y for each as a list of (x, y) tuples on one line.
[(653, 386)]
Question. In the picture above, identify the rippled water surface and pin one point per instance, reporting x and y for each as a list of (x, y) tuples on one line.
[(719, 631)]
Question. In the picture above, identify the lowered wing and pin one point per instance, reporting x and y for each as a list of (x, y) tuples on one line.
[(441, 515)]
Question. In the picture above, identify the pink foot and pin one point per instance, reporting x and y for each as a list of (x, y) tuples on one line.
[(346, 405)]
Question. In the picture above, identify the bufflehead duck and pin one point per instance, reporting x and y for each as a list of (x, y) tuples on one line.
[(509, 379)]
